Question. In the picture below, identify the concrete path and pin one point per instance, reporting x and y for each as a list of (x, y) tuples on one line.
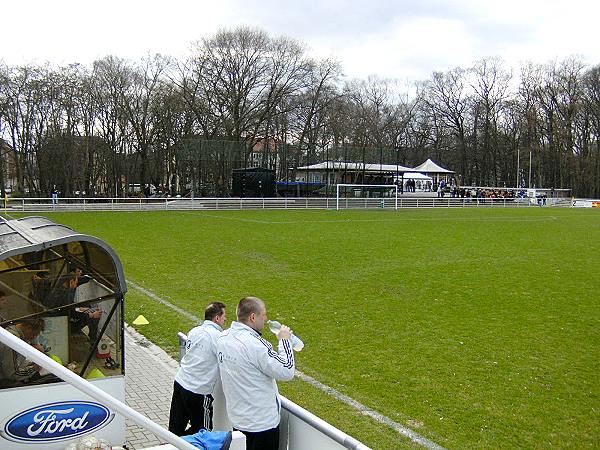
[(149, 374)]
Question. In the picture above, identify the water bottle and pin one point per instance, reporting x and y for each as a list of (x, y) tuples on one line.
[(297, 343)]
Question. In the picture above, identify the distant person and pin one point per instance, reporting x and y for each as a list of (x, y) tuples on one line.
[(249, 369), (54, 194), (14, 367), (41, 289), (194, 383), (55, 293), (81, 316)]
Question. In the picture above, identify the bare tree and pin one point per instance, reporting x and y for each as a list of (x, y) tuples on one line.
[(447, 97), (490, 85), (141, 107)]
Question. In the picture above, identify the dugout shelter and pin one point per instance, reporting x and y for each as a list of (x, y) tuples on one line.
[(69, 288)]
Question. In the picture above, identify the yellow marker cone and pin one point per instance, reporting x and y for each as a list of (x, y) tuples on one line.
[(57, 359), (140, 320), (94, 373)]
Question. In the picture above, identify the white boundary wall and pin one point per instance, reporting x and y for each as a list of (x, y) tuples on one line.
[(212, 204)]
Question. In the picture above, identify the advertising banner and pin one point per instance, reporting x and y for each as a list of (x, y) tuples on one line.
[(52, 416), (582, 203)]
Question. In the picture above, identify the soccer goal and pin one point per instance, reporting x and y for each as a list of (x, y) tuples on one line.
[(366, 196)]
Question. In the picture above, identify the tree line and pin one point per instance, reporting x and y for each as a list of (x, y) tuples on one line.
[(243, 97)]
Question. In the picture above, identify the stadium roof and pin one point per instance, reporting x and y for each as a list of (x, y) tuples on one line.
[(342, 165), (430, 167), (37, 234), (415, 176)]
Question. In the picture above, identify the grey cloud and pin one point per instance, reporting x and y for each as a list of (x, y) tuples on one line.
[(349, 20), (340, 24)]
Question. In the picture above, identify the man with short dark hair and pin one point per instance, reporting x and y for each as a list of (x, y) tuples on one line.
[(80, 317), (198, 372), (249, 368)]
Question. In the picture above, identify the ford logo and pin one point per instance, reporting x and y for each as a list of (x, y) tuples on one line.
[(57, 421)]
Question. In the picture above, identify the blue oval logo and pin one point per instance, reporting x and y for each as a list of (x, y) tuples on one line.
[(57, 421)]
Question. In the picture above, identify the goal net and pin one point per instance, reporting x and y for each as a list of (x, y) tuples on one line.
[(348, 196)]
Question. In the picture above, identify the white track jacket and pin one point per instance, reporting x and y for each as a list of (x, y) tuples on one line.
[(199, 370), (249, 368)]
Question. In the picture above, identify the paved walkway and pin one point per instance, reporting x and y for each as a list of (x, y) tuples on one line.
[(149, 374)]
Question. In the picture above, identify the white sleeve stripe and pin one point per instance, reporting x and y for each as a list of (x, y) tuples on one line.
[(288, 363), (206, 412), (287, 346)]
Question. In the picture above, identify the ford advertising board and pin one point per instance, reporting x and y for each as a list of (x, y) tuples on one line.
[(58, 421), (58, 417)]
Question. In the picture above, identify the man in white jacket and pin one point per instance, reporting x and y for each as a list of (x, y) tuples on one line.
[(249, 368), (198, 372)]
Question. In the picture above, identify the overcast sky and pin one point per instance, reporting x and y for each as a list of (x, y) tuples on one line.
[(390, 38)]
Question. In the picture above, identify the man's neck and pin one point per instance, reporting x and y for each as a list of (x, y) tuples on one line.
[(251, 325)]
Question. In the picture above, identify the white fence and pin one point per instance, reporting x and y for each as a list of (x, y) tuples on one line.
[(186, 204)]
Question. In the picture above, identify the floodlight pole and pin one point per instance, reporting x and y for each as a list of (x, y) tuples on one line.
[(529, 169), (518, 161)]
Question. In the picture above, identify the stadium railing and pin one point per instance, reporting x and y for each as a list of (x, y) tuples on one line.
[(44, 361), (230, 203)]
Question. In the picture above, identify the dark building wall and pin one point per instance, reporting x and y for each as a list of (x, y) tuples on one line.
[(253, 182)]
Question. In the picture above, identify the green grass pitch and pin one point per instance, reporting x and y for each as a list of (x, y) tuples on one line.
[(477, 328)]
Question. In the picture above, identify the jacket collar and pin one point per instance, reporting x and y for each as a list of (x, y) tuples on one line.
[(243, 327), (210, 323)]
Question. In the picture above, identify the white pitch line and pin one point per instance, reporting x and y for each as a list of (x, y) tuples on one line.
[(394, 220), (238, 219), (153, 296), (364, 410)]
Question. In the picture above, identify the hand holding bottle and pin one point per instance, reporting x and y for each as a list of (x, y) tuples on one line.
[(284, 332), (276, 328)]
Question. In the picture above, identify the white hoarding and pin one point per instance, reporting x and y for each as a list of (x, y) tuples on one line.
[(51, 416)]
